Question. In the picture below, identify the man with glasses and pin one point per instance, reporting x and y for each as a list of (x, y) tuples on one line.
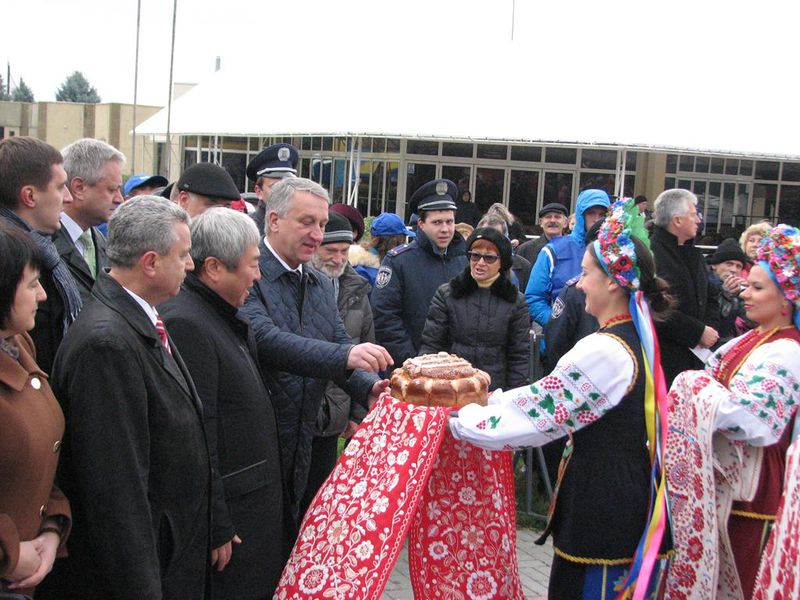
[(410, 274), (695, 320)]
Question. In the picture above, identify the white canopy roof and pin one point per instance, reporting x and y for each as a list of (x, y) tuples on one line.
[(512, 92)]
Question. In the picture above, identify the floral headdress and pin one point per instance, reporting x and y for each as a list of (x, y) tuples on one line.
[(777, 254), (779, 251), (614, 246)]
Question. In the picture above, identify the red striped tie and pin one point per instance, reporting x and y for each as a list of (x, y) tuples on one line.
[(162, 333)]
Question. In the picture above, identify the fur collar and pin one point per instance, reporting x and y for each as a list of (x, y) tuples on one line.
[(358, 255), (463, 285)]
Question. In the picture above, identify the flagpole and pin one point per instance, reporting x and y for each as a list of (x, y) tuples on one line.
[(136, 86), (169, 104)]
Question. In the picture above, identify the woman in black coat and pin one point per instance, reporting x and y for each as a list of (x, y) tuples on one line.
[(480, 315)]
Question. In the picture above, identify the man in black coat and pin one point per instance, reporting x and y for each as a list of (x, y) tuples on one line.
[(410, 274), (220, 352), (695, 320), (94, 177), (302, 343), (134, 462), (33, 191)]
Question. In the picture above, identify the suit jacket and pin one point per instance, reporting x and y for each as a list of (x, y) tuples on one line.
[(685, 270), (31, 426), (135, 460), (220, 352), (76, 263)]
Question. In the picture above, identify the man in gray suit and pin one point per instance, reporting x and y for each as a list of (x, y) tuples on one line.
[(94, 177)]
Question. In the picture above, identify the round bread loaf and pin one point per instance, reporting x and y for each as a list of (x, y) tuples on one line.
[(440, 380)]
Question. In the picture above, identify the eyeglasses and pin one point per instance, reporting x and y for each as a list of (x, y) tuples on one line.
[(489, 259)]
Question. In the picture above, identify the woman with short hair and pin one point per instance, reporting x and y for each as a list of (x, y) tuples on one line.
[(34, 514)]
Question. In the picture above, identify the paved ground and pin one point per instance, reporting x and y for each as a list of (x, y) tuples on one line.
[(534, 570)]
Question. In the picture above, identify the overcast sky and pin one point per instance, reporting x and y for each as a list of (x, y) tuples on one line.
[(755, 43)]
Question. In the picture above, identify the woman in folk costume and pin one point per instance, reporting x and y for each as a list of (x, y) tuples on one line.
[(729, 430), (608, 518)]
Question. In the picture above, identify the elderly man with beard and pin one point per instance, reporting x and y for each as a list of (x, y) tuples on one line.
[(338, 415)]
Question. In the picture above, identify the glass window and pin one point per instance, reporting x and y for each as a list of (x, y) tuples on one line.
[(422, 147), (340, 144), (376, 189), (235, 163), (598, 181), (746, 168), (564, 156), (327, 144), (393, 145), (684, 184), (713, 206), (742, 203), (456, 149), (672, 163), (701, 164), (790, 204), (630, 161), (767, 169), (458, 174), (316, 144), (189, 158), (306, 143), (728, 206), (765, 197), (366, 144), (791, 171), (416, 175), (390, 198), (488, 187), (234, 143), (599, 159), (365, 183), (379, 145), (190, 141), (321, 171), (669, 183), (717, 165), (494, 151), (522, 196), (686, 163), (558, 188), (731, 166), (339, 180), (528, 153)]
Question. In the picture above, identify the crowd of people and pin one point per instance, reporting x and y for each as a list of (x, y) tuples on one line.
[(176, 376)]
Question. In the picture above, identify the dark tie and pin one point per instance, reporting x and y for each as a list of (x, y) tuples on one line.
[(162, 333)]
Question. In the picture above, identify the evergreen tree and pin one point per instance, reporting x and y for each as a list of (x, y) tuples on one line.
[(77, 89), (22, 93), (3, 94)]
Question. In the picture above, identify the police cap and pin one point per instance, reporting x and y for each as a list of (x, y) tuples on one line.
[(276, 161), (439, 194)]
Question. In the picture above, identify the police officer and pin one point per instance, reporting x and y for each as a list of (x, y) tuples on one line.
[(410, 274), (268, 167), (203, 186)]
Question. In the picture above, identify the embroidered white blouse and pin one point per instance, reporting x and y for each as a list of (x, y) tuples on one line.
[(594, 377)]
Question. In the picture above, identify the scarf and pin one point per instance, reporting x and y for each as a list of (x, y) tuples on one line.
[(52, 263)]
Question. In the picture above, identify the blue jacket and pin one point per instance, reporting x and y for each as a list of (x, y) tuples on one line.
[(560, 260), (407, 280), (302, 344)]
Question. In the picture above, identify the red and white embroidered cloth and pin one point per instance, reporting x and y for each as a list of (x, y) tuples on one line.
[(400, 472), (705, 473), (779, 574)]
